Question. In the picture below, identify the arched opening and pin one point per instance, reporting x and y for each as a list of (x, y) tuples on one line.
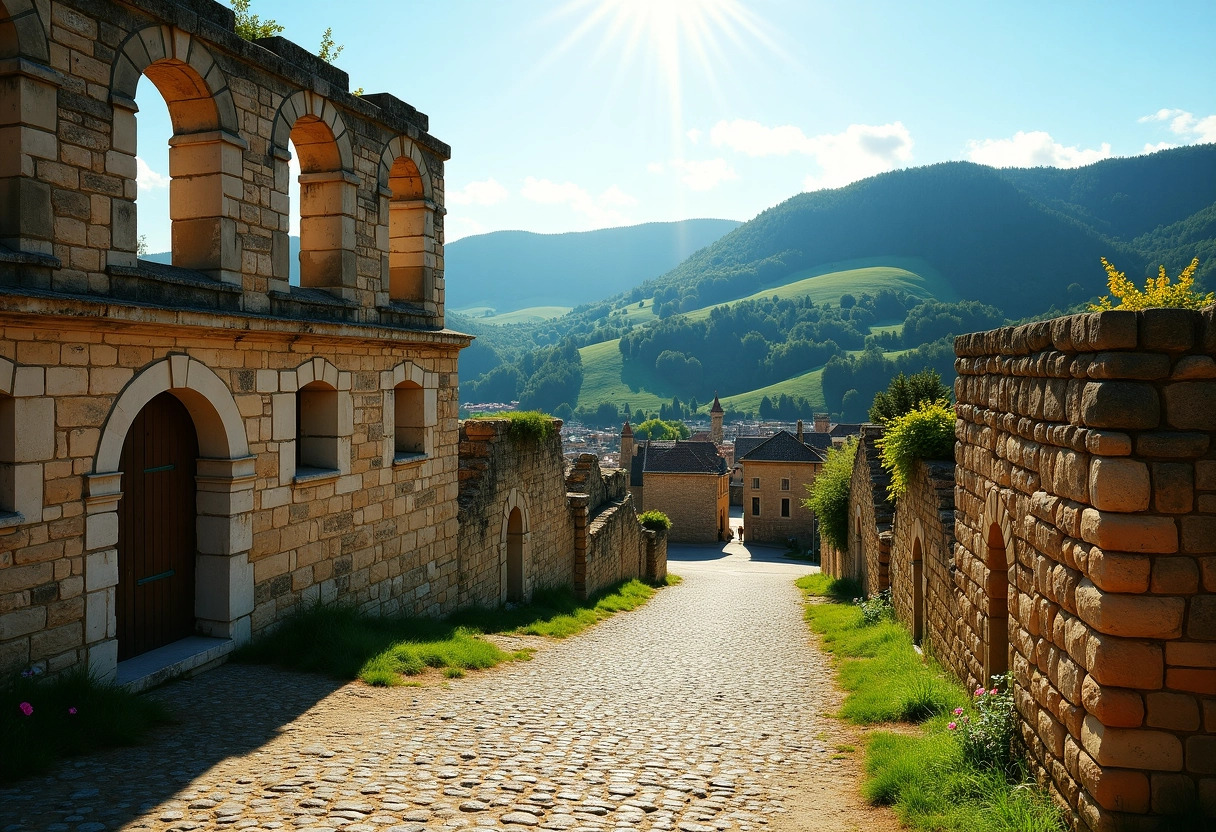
[(325, 207), (317, 429), (9, 45), (155, 596), (410, 223), (154, 130), (918, 592), (515, 556), (996, 647)]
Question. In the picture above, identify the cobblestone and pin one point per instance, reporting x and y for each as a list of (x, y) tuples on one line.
[(704, 711)]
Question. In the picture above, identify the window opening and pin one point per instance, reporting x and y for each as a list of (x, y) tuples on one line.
[(316, 429)]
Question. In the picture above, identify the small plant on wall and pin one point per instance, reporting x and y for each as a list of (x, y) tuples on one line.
[(829, 494), (926, 432), (655, 520), (1158, 291)]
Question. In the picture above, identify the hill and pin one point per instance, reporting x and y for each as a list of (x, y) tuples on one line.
[(512, 270)]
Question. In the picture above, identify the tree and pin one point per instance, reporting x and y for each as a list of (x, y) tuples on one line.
[(906, 393), (250, 26), (659, 429), (847, 301)]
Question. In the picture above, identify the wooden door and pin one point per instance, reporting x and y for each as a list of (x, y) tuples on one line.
[(156, 552)]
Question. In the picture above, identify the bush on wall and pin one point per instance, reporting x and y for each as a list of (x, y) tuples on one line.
[(829, 494), (924, 433)]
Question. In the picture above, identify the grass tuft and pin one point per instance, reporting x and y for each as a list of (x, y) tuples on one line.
[(106, 716), (841, 590), (342, 642)]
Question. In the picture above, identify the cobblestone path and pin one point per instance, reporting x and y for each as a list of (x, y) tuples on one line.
[(702, 711)]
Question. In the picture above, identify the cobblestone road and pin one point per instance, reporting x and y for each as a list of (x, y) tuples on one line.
[(703, 711)]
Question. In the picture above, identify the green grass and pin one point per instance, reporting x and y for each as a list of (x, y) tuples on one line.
[(809, 385), (529, 314), (106, 716), (923, 776), (603, 366), (342, 642)]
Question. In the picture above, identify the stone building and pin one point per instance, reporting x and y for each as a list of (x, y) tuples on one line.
[(1082, 559), (775, 473), (687, 481)]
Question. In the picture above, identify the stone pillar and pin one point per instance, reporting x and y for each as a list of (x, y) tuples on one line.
[(102, 493), (204, 203), (656, 555), (224, 577), (28, 121), (578, 504), (327, 232)]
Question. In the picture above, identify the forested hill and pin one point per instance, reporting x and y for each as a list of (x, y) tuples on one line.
[(509, 270), (1017, 239)]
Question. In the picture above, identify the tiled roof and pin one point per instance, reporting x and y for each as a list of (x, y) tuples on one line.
[(743, 444), (783, 446), (845, 429), (678, 458)]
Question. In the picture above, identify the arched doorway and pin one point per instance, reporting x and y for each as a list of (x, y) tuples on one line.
[(918, 592), (515, 556), (996, 657), (156, 528)]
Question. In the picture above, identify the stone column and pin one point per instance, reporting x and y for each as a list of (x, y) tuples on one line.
[(102, 493), (224, 577), (579, 504), (28, 121)]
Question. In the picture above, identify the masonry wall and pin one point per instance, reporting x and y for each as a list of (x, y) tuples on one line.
[(1086, 492), (500, 473), (610, 544), (870, 517), (770, 526), (922, 562), (696, 503)]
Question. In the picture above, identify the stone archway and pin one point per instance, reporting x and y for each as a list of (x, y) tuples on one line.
[(996, 546), (515, 549), (224, 478)]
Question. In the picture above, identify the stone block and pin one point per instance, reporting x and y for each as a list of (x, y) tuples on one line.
[(1172, 793), (22, 622), (1125, 663), (1114, 707), (1172, 330), (1120, 404), (1188, 405), (1198, 533), (1190, 653), (1194, 367), (1175, 576), (1131, 616), (1118, 484), (1114, 788), (1173, 711), (1129, 532), (1108, 443), (1201, 621), (101, 570), (1192, 679), (1131, 748), (1119, 571), (1201, 754), (1128, 365), (1114, 329)]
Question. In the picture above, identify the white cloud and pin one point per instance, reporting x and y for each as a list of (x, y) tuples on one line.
[(455, 227), (601, 211), (1149, 147), (655, 167), (704, 174), (485, 192), (1033, 149), (860, 150), (694, 135), (148, 179), (1190, 127)]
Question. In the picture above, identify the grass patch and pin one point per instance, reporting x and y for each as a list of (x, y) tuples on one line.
[(342, 642), (105, 716), (923, 776), (524, 424)]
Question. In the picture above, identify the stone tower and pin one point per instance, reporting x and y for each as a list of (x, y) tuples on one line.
[(822, 423), (627, 448), (715, 421)]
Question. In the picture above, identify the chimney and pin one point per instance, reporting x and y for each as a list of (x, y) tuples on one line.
[(822, 424), (799, 430)]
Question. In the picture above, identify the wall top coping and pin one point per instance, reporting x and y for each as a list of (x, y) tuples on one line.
[(1169, 330), (486, 429)]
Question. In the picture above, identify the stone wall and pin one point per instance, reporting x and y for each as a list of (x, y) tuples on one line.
[(499, 474), (610, 544), (778, 481), (922, 562), (870, 517), (1087, 472), (696, 504)]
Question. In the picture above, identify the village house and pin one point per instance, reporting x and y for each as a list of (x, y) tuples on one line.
[(688, 481), (775, 473)]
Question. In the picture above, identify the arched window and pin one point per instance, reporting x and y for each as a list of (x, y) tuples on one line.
[(410, 225), (204, 160), (515, 556), (918, 592), (318, 430), (996, 653)]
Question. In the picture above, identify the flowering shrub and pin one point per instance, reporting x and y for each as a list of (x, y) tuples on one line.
[(877, 608), (988, 732), (1157, 291)]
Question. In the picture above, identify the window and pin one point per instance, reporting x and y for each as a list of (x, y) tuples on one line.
[(317, 429), (785, 507), (785, 485), (755, 482), (327, 207), (410, 235), (409, 426), (755, 506)]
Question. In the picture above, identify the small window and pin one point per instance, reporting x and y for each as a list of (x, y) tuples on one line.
[(755, 506), (317, 429), (755, 482), (785, 507), (409, 427), (785, 485)]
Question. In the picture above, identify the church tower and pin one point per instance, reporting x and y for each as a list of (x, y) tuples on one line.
[(626, 446), (715, 421)]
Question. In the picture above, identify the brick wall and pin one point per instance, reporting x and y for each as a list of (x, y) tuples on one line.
[(696, 504), (770, 526), (868, 555), (1087, 494)]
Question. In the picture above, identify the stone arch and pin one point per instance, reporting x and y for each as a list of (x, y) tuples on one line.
[(515, 541), (192, 83), (996, 552), (412, 254), (221, 430), (22, 32), (423, 404), (401, 147), (313, 109)]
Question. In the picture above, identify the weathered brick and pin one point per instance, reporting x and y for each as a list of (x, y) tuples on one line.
[(1124, 663), (1188, 405), (1129, 532), (1201, 620), (1114, 707), (1199, 533), (1121, 405), (1201, 754), (1175, 576), (1118, 484), (1131, 748), (1168, 329), (1131, 616), (1175, 711), (1173, 487), (1192, 679), (1114, 788), (1119, 571)]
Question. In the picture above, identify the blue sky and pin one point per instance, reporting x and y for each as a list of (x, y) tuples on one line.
[(579, 114)]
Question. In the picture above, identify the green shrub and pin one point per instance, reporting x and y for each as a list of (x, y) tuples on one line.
[(655, 520), (988, 730), (829, 494), (924, 433), (524, 424), (877, 608)]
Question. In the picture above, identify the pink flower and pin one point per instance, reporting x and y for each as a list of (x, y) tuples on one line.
[(994, 691), (72, 711), (958, 711), (951, 726), (979, 691), (26, 708)]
